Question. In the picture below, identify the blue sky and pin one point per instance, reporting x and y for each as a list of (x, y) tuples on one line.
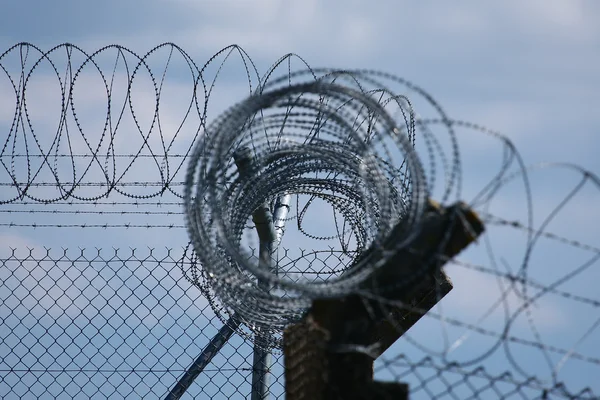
[(526, 69)]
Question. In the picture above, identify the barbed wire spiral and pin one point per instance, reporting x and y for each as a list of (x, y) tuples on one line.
[(357, 152), (319, 139)]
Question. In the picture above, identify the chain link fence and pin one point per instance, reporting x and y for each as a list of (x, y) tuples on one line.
[(119, 323)]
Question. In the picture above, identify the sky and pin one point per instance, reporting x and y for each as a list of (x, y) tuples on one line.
[(525, 69)]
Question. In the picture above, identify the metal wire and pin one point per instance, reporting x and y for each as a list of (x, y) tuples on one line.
[(344, 143), (325, 140)]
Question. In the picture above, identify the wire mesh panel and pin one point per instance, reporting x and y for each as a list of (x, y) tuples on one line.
[(131, 236)]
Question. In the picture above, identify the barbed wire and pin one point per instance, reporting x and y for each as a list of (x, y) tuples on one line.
[(322, 135), (102, 154), (86, 225), (122, 212)]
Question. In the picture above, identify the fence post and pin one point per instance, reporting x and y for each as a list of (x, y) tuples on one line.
[(270, 231), (329, 354)]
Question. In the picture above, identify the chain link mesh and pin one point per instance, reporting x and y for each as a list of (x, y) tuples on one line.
[(98, 323)]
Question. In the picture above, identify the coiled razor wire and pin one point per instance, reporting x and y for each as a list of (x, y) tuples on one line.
[(316, 138)]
